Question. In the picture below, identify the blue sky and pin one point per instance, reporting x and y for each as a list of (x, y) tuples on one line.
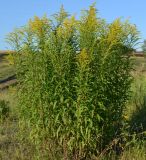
[(16, 13)]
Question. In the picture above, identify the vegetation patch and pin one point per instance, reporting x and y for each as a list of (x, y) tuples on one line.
[(74, 82)]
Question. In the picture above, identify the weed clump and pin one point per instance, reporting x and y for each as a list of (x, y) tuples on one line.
[(73, 81)]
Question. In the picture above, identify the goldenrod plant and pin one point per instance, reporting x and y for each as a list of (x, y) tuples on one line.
[(74, 79)]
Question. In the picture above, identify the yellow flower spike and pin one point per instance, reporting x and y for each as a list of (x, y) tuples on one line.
[(92, 20), (37, 25), (83, 58), (66, 29), (68, 25), (59, 32), (61, 15), (115, 31)]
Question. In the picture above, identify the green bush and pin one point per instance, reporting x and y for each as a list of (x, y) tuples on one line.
[(73, 80)]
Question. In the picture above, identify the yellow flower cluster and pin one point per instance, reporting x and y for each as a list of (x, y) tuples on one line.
[(83, 58), (89, 21), (66, 29), (37, 25), (92, 19), (115, 31)]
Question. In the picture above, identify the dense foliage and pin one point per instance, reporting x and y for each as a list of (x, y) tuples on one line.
[(74, 80)]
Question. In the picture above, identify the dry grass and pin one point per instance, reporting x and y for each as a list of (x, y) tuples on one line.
[(12, 147)]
